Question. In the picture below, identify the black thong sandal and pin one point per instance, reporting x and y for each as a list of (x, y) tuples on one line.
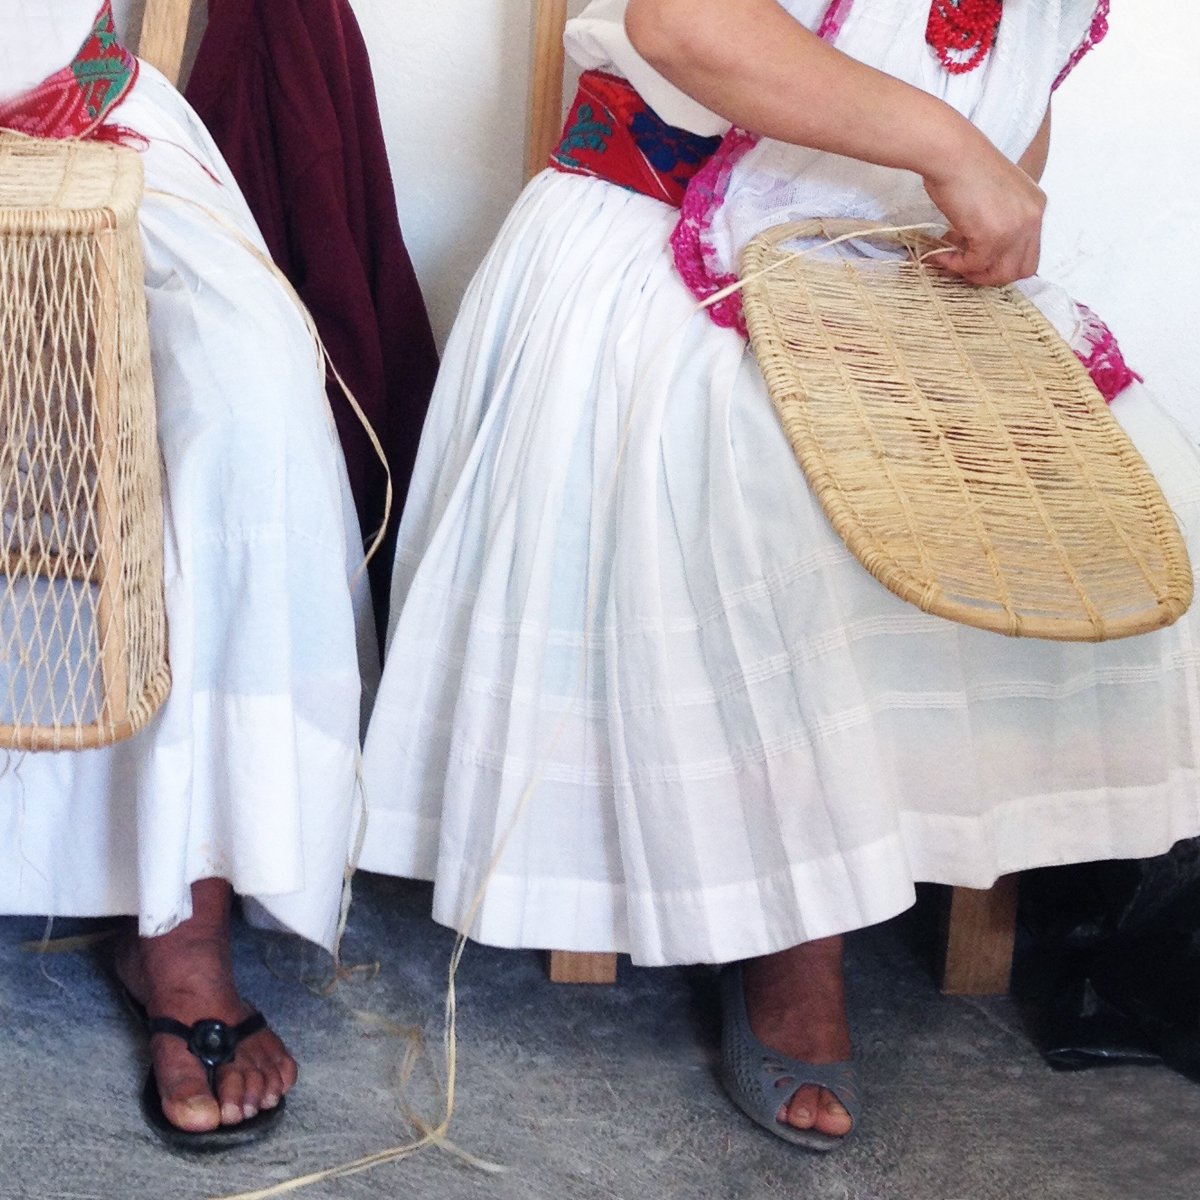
[(214, 1043)]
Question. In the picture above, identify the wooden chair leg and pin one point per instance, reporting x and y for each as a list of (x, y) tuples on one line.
[(568, 967), (546, 85), (979, 931)]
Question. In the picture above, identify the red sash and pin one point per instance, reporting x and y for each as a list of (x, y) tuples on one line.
[(613, 134)]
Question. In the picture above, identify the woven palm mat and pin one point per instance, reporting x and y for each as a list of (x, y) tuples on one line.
[(957, 445), (82, 619)]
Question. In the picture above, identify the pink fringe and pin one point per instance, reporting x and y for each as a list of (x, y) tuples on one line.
[(1102, 356), (1095, 35), (835, 18)]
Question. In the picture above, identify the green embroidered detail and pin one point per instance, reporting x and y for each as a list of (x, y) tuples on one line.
[(588, 133)]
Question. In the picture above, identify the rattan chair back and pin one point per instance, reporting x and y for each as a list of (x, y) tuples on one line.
[(83, 651)]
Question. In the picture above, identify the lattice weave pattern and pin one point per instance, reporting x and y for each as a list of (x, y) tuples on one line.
[(957, 445), (82, 621)]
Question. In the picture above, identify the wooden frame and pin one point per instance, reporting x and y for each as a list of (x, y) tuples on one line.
[(978, 934), (546, 84), (164, 35)]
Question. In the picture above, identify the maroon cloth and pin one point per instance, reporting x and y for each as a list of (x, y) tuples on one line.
[(285, 88)]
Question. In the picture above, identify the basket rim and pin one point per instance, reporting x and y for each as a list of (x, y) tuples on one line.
[(111, 199)]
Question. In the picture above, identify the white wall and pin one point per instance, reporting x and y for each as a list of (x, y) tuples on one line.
[(1123, 230), (1124, 224), (452, 78)]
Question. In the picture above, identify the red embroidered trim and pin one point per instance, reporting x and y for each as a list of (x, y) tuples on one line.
[(76, 101)]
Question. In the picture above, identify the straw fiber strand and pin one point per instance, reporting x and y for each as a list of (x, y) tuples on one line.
[(956, 443), (82, 617)]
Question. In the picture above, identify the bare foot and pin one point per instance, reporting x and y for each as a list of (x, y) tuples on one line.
[(796, 1004), (187, 974)]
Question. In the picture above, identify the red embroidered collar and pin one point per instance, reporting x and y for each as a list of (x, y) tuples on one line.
[(76, 101)]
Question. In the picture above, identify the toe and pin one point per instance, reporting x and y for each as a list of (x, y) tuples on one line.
[(183, 1089), (272, 1088), (231, 1093), (197, 1113), (801, 1110), (279, 1074), (285, 1064), (253, 1089), (832, 1117)]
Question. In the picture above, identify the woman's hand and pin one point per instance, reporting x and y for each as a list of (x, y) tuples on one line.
[(761, 69), (995, 212)]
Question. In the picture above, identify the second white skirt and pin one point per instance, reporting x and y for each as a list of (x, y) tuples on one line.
[(638, 695)]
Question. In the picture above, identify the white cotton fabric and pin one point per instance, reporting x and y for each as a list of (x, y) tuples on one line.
[(631, 661), (249, 771)]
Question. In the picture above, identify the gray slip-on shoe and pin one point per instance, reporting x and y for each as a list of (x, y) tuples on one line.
[(760, 1081)]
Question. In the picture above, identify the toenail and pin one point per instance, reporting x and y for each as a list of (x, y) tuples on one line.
[(801, 1114), (248, 1111), (230, 1113), (270, 1100)]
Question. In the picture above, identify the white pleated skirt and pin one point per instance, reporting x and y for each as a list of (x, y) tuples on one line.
[(249, 772), (639, 697)]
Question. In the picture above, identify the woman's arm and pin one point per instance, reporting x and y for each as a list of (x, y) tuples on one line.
[(1033, 161), (758, 67)]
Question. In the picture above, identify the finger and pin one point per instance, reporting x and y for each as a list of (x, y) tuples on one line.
[(969, 265)]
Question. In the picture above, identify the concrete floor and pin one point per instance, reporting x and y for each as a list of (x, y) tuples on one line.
[(582, 1093)]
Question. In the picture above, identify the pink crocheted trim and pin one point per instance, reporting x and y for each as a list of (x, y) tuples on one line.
[(1101, 355), (835, 18), (704, 196), (690, 242), (1095, 35)]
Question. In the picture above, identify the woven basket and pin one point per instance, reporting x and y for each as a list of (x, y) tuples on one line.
[(82, 619), (956, 443)]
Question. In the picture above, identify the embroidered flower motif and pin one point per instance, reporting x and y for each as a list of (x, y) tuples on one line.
[(585, 133)]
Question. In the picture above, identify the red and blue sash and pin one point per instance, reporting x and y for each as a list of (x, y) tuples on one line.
[(613, 134)]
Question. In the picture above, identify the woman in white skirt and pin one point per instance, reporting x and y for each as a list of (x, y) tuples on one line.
[(639, 697), (246, 780)]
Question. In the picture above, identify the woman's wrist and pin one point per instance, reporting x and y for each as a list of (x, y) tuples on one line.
[(948, 143)]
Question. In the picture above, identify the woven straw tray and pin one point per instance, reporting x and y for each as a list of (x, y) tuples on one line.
[(956, 443)]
